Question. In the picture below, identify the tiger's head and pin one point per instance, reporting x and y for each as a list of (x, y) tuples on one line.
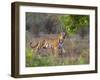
[(62, 36)]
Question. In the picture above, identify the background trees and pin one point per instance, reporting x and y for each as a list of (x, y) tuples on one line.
[(38, 23)]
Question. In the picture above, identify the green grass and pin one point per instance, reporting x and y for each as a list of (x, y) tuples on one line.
[(36, 60)]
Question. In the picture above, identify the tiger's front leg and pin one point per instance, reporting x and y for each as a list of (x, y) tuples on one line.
[(63, 50), (55, 52)]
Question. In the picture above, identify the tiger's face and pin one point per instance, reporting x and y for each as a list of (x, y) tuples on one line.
[(62, 36)]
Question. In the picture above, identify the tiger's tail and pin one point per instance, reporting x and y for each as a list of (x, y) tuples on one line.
[(33, 46)]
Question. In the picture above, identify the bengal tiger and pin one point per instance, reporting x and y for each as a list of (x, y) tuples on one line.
[(53, 43)]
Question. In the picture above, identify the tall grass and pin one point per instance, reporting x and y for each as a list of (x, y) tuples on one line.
[(34, 59)]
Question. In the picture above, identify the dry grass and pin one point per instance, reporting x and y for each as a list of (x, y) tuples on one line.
[(76, 53)]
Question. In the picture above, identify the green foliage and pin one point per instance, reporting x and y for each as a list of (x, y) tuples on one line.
[(84, 57), (28, 57), (72, 23), (36, 60)]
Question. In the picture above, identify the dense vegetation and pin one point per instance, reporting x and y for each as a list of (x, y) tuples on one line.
[(76, 42)]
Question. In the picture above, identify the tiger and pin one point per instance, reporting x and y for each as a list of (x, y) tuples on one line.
[(50, 43)]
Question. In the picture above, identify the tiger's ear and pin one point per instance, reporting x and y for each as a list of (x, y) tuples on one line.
[(63, 33)]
